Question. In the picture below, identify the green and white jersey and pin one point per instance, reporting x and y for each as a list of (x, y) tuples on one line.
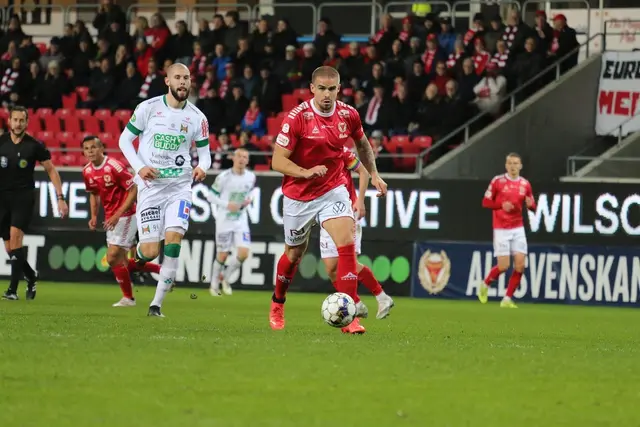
[(166, 135), (231, 187)]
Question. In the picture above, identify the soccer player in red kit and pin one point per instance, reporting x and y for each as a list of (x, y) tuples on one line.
[(109, 181), (506, 195), (309, 153), (329, 251)]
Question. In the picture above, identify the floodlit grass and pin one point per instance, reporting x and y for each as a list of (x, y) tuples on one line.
[(70, 359)]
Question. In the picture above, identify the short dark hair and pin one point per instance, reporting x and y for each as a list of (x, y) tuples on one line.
[(516, 155), (18, 109), (91, 138), (326, 72)]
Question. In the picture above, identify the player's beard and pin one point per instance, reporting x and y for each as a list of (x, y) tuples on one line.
[(17, 134), (178, 97)]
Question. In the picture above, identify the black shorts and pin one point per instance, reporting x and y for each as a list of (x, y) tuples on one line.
[(16, 210)]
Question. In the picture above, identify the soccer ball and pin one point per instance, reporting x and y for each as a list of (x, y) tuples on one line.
[(338, 310)]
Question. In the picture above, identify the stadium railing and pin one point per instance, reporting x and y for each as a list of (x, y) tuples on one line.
[(514, 99), (577, 162)]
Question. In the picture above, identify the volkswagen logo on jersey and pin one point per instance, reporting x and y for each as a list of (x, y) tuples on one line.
[(339, 207), (179, 161)]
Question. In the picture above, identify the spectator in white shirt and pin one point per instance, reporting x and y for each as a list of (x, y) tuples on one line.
[(491, 90)]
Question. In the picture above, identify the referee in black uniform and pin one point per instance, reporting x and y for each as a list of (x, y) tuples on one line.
[(19, 153)]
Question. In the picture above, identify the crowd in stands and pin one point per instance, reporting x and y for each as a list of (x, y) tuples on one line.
[(416, 81)]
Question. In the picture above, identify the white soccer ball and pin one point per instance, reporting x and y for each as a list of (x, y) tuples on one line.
[(338, 310)]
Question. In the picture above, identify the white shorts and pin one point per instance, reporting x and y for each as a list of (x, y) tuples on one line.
[(229, 237), (328, 249), (124, 233), (158, 210), (299, 217), (508, 242)]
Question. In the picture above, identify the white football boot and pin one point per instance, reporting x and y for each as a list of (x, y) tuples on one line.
[(125, 302), (385, 304)]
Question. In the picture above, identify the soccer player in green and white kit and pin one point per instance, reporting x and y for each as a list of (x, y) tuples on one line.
[(167, 126), (231, 193)]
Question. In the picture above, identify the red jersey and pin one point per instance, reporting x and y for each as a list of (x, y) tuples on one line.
[(351, 163), (111, 181), (316, 138), (504, 189)]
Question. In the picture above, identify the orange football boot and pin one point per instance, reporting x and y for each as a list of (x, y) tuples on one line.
[(276, 316), (354, 328)]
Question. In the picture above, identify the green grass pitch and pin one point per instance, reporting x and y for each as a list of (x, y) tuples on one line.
[(70, 359)]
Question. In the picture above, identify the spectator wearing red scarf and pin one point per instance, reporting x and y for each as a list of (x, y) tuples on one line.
[(385, 36), (253, 120), (406, 33), (432, 54), (441, 78), (564, 41), (480, 57), (476, 31)]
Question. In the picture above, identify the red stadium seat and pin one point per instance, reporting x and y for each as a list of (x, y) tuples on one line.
[(408, 164), (68, 139), (265, 143), (235, 141), (123, 115), (423, 142), (52, 123), (112, 125), (289, 102), (43, 112), (400, 139), (34, 126), (109, 140), (213, 142), (91, 124), (302, 93), (83, 92), (70, 121), (69, 159), (273, 125), (48, 138), (70, 101), (102, 114)]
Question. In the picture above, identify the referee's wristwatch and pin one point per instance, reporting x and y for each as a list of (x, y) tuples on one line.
[(60, 197)]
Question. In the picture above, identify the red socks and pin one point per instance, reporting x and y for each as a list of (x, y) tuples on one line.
[(284, 275), (347, 275), (493, 275), (514, 282), (147, 267), (122, 276), (367, 278)]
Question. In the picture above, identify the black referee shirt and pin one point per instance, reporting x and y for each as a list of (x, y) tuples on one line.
[(17, 161)]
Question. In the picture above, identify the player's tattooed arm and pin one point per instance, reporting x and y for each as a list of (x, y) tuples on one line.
[(368, 160), (367, 156)]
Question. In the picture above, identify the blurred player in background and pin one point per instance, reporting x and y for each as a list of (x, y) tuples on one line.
[(309, 153), (167, 126), (19, 153), (506, 195), (231, 193), (329, 252), (108, 181)]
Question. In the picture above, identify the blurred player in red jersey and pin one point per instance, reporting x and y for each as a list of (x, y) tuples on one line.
[(109, 181), (506, 195), (329, 252), (309, 153)]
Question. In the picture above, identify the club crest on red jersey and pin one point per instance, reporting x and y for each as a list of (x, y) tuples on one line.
[(342, 127)]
